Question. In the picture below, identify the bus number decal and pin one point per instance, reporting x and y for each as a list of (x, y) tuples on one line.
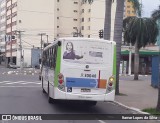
[(88, 75)]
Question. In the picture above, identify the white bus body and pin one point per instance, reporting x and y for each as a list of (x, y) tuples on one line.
[(79, 69)]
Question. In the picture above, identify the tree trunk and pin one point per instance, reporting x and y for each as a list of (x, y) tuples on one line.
[(118, 37), (136, 61), (107, 23)]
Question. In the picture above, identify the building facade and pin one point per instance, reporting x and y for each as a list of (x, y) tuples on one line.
[(29, 24), (2, 28), (129, 9), (31, 18)]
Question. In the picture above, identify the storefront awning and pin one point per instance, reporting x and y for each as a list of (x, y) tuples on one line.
[(141, 53)]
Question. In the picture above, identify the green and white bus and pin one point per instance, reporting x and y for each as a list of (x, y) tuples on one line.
[(79, 69)]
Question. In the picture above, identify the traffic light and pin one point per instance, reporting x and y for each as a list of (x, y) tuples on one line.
[(101, 33)]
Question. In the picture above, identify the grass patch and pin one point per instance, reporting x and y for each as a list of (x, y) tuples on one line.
[(121, 94), (152, 111)]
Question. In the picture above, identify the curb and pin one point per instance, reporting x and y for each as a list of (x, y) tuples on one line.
[(130, 75), (131, 108)]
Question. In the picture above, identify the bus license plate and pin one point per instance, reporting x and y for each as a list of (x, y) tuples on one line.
[(85, 90)]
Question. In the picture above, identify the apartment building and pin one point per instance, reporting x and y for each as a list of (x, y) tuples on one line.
[(53, 19), (2, 27), (76, 16), (31, 18), (128, 9)]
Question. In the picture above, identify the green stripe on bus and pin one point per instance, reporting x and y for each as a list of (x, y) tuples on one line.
[(114, 64), (58, 67)]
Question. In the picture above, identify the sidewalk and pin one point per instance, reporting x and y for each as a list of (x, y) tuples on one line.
[(138, 94)]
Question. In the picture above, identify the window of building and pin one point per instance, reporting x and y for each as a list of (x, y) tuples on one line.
[(57, 9), (82, 20), (74, 27), (89, 36), (128, 12), (89, 19), (82, 27), (89, 10), (75, 11), (75, 2), (82, 10), (57, 26), (57, 0), (89, 27), (57, 17), (128, 6), (75, 19)]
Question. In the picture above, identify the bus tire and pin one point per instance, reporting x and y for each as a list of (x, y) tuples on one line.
[(40, 78), (49, 98), (42, 86)]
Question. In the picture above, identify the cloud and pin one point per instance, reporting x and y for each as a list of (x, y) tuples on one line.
[(149, 6)]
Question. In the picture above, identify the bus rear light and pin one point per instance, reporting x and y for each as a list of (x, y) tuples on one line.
[(61, 85), (60, 81), (110, 84)]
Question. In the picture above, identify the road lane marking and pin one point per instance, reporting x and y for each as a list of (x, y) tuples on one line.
[(101, 121)]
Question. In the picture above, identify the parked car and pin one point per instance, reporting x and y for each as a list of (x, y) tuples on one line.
[(12, 65)]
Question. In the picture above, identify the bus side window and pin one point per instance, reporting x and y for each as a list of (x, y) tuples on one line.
[(55, 55), (52, 58)]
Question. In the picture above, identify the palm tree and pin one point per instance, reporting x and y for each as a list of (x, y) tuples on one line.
[(140, 32), (156, 16), (118, 31)]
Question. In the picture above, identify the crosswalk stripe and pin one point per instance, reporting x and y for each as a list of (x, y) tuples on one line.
[(19, 82), (30, 82), (5, 81), (20, 86)]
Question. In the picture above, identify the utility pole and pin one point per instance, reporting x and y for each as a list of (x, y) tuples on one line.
[(47, 39), (20, 46), (41, 34)]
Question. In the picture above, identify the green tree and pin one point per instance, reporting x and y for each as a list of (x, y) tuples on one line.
[(140, 32)]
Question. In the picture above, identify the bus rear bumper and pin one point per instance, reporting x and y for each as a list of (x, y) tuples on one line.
[(90, 97)]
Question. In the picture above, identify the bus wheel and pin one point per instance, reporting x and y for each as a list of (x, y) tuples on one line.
[(49, 98), (39, 77), (42, 86)]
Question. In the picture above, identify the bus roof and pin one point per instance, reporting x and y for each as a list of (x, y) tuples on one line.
[(83, 38), (78, 38)]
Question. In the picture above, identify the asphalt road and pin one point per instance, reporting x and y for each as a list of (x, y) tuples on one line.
[(22, 94)]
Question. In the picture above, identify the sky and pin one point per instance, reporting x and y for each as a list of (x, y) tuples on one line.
[(148, 6)]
